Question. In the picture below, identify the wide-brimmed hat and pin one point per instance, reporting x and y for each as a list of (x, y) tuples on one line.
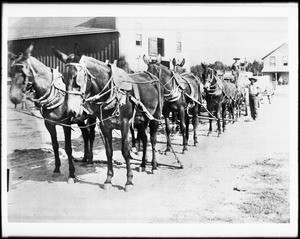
[(252, 79)]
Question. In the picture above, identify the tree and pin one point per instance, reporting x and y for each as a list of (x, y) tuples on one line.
[(255, 67)]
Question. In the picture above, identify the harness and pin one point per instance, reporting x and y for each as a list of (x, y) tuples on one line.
[(53, 97), (117, 97)]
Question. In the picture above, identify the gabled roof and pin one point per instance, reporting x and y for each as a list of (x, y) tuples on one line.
[(274, 50), (41, 27), (100, 22)]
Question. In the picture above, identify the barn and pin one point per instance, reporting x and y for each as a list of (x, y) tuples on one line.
[(63, 32), (104, 38)]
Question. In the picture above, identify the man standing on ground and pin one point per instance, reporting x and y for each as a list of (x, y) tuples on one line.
[(254, 91)]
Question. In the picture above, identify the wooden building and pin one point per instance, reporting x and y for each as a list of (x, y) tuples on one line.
[(104, 38), (276, 64)]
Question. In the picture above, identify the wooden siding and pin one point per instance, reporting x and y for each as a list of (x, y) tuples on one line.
[(104, 46)]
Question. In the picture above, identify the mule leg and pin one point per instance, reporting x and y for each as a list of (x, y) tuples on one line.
[(168, 129), (133, 139), (88, 139), (195, 123), (68, 149), (182, 116), (141, 127), (223, 113), (210, 109), (174, 122), (92, 121), (85, 135), (52, 130), (232, 105), (187, 124), (107, 133), (218, 116), (126, 152), (153, 131), (138, 143)]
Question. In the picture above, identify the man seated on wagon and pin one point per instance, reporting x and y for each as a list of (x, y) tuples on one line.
[(228, 77)]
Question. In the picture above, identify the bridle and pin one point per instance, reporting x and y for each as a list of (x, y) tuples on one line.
[(28, 84), (80, 67), (175, 93), (212, 87), (49, 99)]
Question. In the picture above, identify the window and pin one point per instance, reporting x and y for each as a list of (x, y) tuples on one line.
[(156, 46), (138, 39), (178, 46), (152, 46), (138, 35), (285, 60), (272, 61), (161, 46), (178, 42)]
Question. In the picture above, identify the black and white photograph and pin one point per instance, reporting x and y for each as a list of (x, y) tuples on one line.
[(149, 120)]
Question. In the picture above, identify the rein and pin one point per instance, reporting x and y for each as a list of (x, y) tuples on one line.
[(46, 101), (113, 97), (55, 122)]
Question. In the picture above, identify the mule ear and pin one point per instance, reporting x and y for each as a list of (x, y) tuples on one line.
[(182, 62), (158, 59), (174, 62), (61, 56), (146, 60), (28, 51), (11, 56), (203, 65), (77, 50)]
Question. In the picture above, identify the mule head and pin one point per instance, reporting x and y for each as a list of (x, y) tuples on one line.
[(208, 76), (153, 65), (178, 66), (75, 79), (123, 64), (20, 72)]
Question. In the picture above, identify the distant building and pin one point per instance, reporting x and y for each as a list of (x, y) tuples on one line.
[(276, 64), (104, 38)]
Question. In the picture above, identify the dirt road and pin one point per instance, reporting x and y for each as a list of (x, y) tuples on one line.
[(241, 177)]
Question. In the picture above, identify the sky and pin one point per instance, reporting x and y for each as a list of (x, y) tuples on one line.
[(209, 36), (225, 38)]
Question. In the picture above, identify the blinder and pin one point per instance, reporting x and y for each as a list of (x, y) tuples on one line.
[(81, 75), (28, 71)]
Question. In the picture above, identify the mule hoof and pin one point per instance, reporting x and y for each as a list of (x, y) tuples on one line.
[(71, 180), (167, 152), (196, 144), (154, 171), (141, 169), (107, 186), (128, 187), (183, 151), (55, 175)]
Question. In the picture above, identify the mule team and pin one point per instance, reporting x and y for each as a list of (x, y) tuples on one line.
[(120, 100)]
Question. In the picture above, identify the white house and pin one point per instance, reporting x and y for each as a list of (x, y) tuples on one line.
[(276, 64), (150, 36)]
